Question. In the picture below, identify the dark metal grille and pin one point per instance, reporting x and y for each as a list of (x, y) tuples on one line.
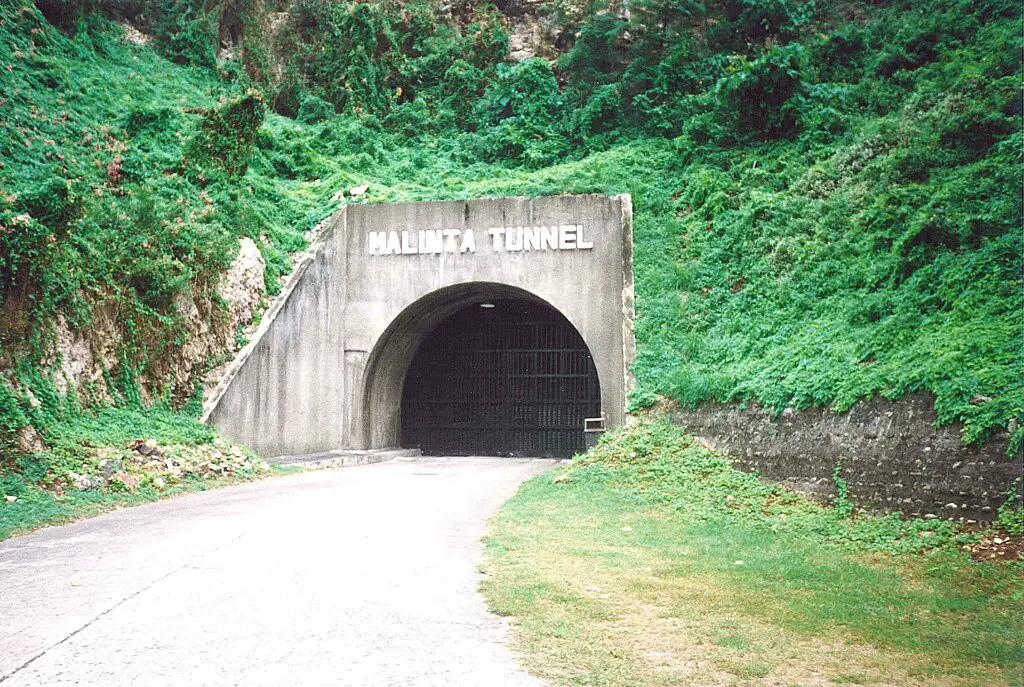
[(512, 380)]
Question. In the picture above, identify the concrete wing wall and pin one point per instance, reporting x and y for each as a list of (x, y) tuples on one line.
[(272, 397)]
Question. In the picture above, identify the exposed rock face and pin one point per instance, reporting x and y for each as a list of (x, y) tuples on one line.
[(75, 358), (524, 38), (212, 332), (29, 441), (81, 358), (242, 287), (204, 339), (133, 35), (541, 28)]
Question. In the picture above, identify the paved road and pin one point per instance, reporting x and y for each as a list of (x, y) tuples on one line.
[(358, 576)]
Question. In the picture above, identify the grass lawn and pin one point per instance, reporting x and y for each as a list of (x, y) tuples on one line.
[(652, 562)]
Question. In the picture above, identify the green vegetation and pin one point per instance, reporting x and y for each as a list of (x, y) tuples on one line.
[(827, 195), (92, 462), (651, 561), (38, 507)]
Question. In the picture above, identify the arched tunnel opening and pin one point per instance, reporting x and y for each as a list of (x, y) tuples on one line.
[(501, 376)]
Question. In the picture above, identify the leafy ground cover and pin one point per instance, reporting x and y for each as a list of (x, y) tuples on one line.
[(651, 561), (98, 461)]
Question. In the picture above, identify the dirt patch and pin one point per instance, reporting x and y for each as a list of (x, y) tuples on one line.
[(1000, 547)]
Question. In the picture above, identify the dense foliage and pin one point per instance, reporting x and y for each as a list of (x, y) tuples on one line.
[(119, 183), (827, 195)]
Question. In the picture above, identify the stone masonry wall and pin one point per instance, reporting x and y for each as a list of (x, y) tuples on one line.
[(893, 458)]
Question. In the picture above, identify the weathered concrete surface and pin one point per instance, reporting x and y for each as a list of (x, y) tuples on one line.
[(893, 456), (347, 458), (363, 576), (327, 366)]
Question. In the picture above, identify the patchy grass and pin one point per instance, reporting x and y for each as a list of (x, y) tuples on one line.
[(95, 462), (626, 575), (38, 508)]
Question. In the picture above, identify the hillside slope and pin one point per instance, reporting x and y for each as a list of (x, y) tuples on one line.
[(827, 196)]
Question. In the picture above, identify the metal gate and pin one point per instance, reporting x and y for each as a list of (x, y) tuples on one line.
[(513, 379)]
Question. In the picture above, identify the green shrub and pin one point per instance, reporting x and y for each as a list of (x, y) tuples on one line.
[(226, 137), (759, 20), (313, 109), (1011, 513), (524, 111), (152, 122), (184, 30), (598, 57), (761, 96), (378, 57)]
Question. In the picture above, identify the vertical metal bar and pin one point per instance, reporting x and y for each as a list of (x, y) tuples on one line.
[(516, 379)]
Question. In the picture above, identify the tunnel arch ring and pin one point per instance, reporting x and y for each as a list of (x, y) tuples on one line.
[(388, 362)]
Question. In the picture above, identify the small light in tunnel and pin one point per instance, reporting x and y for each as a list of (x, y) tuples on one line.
[(487, 305)]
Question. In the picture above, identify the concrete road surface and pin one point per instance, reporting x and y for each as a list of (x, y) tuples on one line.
[(358, 576)]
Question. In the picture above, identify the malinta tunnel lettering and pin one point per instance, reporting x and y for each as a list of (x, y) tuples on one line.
[(508, 239)]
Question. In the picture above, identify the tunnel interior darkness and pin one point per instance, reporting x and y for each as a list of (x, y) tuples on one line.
[(502, 376)]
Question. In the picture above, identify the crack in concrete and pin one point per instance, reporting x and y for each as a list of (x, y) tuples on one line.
[(186, 564)]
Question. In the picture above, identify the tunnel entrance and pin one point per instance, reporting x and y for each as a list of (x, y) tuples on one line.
[(500, 377)]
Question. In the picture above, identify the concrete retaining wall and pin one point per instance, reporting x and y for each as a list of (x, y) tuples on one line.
[(893, 458)]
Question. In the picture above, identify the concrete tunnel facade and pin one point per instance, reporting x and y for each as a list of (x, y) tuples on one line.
[(327, 366)]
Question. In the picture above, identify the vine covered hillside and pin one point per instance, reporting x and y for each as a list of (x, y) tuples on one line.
[(827, 194)]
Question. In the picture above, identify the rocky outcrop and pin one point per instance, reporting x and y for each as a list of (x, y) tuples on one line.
[(211, 330), (82, 359), (29, 440), (526, 39), (76, 365), (242, 287), (539, 28)]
